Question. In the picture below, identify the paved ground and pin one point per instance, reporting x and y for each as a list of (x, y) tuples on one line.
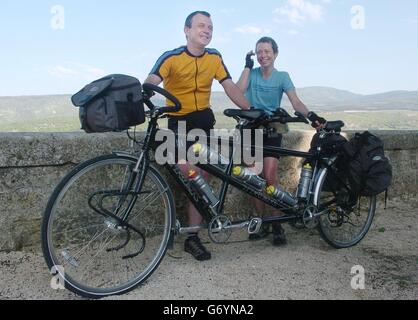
[(305, 269)]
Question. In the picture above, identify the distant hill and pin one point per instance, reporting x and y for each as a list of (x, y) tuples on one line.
[(403, 98), (330, 99), (20, 109), (324, 96)]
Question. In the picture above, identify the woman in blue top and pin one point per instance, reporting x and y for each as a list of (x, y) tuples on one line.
[(264, 88)]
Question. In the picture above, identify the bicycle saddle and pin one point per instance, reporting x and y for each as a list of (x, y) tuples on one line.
[(334, 126), (244, 114)]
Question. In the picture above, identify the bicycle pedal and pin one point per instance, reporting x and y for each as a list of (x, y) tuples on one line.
[(255, 225)]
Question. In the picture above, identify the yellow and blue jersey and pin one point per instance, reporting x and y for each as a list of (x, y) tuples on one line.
[(189, 78)]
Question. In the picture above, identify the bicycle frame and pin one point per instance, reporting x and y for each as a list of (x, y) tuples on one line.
[(320, 166)]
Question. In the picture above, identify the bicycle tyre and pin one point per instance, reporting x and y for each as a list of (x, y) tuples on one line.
[(344, 234), (69, 248)]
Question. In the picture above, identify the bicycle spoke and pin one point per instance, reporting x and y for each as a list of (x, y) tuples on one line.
[(147, 206), (83, 228), (96, 236), (89, 262)]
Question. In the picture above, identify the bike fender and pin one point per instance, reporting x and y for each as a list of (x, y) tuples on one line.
[(318, 184), (125, 154)]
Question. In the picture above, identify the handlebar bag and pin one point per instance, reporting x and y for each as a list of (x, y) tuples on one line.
[(111, 104)]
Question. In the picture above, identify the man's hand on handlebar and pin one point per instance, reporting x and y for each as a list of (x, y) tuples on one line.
[(317, 122), (149, 90)]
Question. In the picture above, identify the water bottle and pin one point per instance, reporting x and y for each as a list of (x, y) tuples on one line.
[(211, 156), (250, 177), (281, 195), (203, 188), (305, 181)]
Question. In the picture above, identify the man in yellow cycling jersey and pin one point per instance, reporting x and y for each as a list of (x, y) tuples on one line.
[(188, 73)]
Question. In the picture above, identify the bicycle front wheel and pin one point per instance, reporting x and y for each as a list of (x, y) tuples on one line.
[(83, 238), (345, 219)]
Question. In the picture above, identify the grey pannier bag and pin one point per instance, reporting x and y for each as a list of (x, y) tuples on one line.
[(112, 103)]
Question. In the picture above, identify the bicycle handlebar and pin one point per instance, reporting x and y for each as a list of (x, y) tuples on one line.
[(289, 119), (149, 88), (283, 117)]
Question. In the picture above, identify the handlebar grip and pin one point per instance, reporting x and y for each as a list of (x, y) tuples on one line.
[(289, 119), (166, 94), (293, 120)]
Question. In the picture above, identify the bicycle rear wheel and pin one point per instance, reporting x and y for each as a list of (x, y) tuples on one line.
[(346, 220), (95, 253)]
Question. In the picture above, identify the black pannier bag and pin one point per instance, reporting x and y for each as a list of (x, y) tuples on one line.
[(370, 171), (110, 104), (331, 144)]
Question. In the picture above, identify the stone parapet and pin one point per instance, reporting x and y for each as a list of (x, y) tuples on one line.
[(32, 164)]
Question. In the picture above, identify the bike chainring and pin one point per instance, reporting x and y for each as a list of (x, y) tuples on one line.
[(218, 229), (310, 218)]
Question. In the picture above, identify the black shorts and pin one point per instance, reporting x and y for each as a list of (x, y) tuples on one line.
[(272, 141), (204, 120)]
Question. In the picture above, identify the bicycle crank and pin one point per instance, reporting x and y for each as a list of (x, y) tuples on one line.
[(310, 217), (220, 229)]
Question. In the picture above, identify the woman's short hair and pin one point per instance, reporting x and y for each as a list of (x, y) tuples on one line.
[(271, 41)]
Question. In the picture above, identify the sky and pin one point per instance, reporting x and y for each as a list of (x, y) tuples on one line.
[(57, 47)]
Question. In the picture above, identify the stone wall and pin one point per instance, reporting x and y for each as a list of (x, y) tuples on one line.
[(31, 165)]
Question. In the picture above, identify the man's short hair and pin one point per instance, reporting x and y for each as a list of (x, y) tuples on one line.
[(271, 41), (189, 19)]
